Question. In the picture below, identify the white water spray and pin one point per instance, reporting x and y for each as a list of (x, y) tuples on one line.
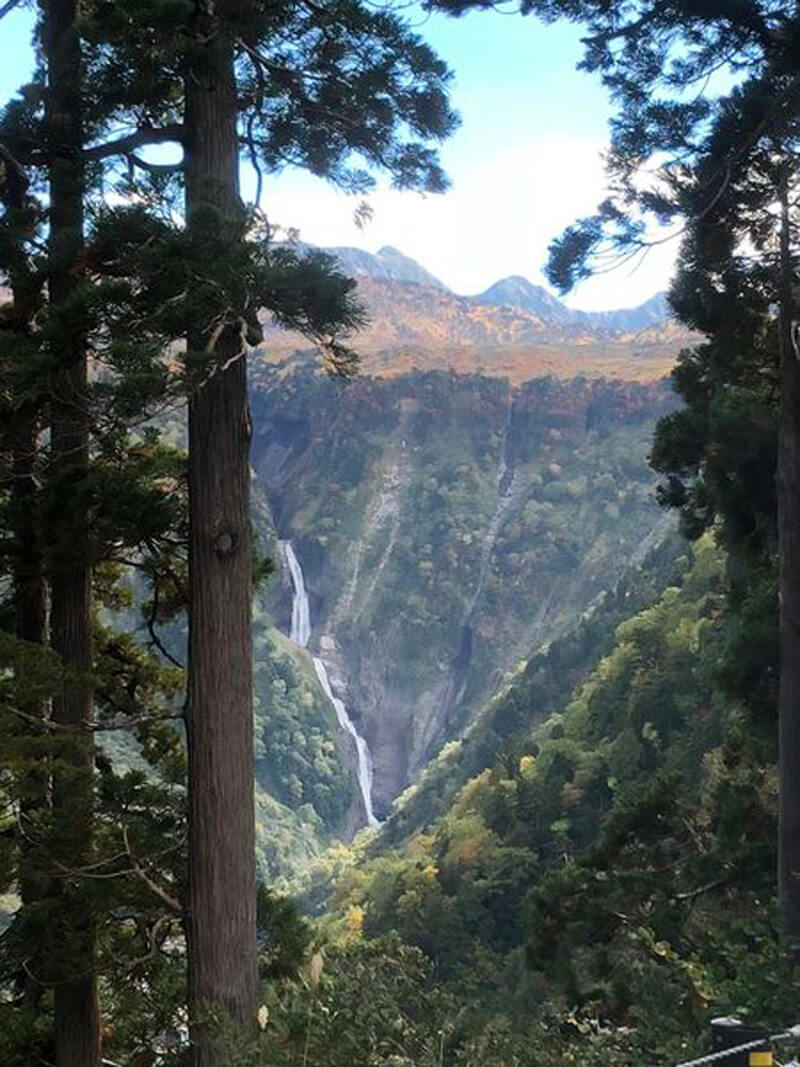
[(301, 616), (300, 634)]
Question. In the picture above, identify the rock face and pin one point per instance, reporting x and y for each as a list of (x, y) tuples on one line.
[(449, 522), (447, 525), (387, 264)]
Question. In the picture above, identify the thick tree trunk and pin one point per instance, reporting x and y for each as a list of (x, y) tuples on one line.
[(789, 585), (221, 929), (77, 1024)]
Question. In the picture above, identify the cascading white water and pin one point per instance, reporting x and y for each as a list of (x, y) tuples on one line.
[(300, 634), (362, 749), (301, 615)]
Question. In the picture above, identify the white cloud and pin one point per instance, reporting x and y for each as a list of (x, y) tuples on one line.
[(497, 220)]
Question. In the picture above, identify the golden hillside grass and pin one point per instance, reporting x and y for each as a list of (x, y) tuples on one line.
[(639, 361)]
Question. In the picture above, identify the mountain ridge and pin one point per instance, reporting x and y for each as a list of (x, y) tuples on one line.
[(517, 292), (413, 325), (389, 264)]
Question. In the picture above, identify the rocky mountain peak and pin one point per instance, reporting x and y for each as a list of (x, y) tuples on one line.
[(388, 264), (517, 292)]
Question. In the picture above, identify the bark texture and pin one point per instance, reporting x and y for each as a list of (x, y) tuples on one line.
[(77, 1017), (789, 585), (221, 928)]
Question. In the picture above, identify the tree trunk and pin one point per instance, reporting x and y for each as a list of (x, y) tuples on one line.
[(77, 1022), (788, 492), (221, 928)]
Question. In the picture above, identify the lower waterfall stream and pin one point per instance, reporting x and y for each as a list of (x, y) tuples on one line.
[(300, 634)]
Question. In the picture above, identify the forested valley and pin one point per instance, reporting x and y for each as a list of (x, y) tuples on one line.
[(390, 677)]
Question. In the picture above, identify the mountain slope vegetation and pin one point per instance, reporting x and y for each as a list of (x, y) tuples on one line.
[(588, 870), (447, 525)]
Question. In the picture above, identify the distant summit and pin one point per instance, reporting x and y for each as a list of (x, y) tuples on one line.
[(386, 265), (518, 292), (653, 312)]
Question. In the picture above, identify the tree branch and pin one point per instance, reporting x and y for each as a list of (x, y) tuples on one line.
[(124, 722), (9, 7), (145, 135), (154, 168), (166, 898), (151, 629), (707, 888), (630, 29), (155, 938)]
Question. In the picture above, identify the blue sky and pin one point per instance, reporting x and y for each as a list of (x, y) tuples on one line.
[(525, 162)]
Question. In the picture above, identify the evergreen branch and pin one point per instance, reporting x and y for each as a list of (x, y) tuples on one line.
[(251, 119), (261, 62), (151, 629), (135, 868), (123, 722), (25, 149), (15, 181), (145, 135), (8, 7), (166, 898), (92, 870), (630, 29), (155, 942), (691, 894)]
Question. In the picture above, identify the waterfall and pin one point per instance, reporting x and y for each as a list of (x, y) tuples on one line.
[(300, 634), (301, 616), (362, 749)]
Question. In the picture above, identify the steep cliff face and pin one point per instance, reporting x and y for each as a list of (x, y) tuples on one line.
[(447, 525)]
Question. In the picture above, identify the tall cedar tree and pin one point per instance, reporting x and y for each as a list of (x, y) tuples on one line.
[(20, 430), (77, 1016), (319, 86), (127, 502), (309, 84), (19, 441), (56, 533), (647, 54), (221, 921)]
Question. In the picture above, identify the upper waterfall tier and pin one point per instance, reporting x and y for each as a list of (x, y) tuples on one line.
[(300, 634)]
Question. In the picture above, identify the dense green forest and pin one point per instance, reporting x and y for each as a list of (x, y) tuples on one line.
[(588, 871), (583, 718)]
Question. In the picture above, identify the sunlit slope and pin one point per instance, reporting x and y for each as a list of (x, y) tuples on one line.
[(428, 328)]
